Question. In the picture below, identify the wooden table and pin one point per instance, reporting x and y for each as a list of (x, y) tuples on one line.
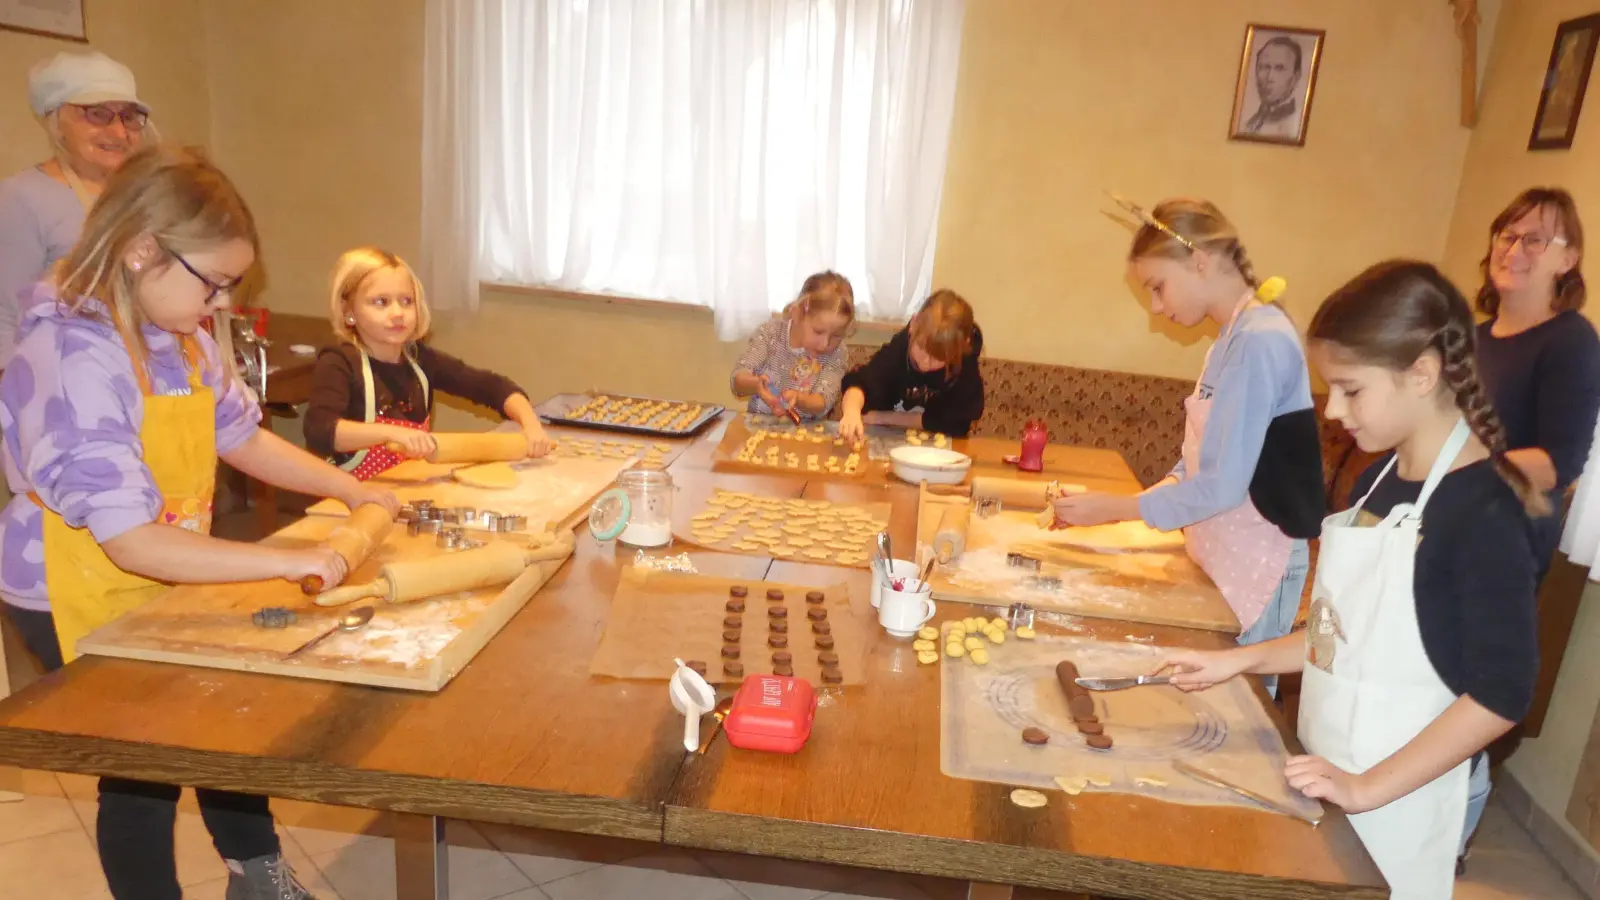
[(546, 751)]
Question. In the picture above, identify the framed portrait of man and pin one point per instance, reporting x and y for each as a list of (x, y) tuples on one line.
[(1277, 78), (1566, 80)]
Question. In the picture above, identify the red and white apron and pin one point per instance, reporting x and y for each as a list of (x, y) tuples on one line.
[(364, 464), (1369, 688), (1242, 552)]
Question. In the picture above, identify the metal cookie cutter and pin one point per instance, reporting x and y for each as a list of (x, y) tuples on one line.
[(1022, 561), (986, 507), (1020, 615), (423, 526), (273, 617)]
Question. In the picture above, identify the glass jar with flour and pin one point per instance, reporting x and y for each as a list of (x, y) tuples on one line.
[(638, 511)]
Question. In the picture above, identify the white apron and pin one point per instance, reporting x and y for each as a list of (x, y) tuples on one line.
[(1242, 552), (1369, 688)]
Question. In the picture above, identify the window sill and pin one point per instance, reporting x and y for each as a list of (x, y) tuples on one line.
[(874, 327)]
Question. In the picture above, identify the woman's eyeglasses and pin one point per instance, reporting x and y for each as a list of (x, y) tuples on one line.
[(1532, 244), (101, 114)]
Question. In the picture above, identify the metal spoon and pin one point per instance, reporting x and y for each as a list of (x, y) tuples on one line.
[(354, 620)]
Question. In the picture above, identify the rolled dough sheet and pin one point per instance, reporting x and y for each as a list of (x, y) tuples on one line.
[(496, 476), (1118, 537), (414, 471)]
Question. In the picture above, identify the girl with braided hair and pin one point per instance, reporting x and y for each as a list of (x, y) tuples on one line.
[(1247, 490), (1424, 590)]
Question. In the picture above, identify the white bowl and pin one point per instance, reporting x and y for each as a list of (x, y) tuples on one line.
[(931, 464)]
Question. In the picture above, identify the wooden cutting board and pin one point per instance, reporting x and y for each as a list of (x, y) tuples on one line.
[(554, 493), (415, 646), (1154, 587)]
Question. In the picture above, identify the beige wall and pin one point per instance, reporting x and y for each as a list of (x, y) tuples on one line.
[(1058, 101), (1498, 166), (318, 108), (162, 41)]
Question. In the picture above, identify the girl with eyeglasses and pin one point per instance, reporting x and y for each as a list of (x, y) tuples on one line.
[(88, 106), (1539, 356), (116, 408)]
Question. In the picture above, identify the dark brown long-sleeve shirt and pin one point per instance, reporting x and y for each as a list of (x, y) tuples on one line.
[(338, 392)]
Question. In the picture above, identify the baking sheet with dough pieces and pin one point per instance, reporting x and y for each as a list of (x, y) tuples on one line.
[(806, 531), (656, 616), (1223, 731)]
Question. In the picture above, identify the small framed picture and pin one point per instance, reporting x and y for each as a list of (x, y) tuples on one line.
[(1277, 77), (54, 18), (1566, 78)]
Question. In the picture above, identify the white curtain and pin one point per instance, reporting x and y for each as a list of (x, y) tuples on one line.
[(1581, 539), (713, 152)]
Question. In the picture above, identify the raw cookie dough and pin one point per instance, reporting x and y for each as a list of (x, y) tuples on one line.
[(1028, 799), (496, 476), (1149, 781), (927, 657), (1035, 736), (1073, 784)]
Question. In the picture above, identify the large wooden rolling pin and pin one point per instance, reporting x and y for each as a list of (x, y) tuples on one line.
[(950, 536), (492, 446), (494, 564), (354, 539), (1014, 493)]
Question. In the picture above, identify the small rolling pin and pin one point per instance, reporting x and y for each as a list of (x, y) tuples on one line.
[(493, 446), (354, 539), (950, 537), (407, 580)]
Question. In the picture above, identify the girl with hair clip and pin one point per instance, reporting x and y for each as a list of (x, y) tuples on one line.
[(116, 408), (1539, 356), (376, 386), (926, 377), (795, 361), (1423, 646), (1247, 490)]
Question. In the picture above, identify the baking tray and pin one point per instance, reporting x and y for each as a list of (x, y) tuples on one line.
[(554, 411)]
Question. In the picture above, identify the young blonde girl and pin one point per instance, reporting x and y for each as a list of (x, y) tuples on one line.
[(1422, 646), (925, 377), (115, 410), (376, 386), (794, 361), (1247, 490)]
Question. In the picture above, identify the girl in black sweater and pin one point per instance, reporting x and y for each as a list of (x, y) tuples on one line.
[(925, 378)]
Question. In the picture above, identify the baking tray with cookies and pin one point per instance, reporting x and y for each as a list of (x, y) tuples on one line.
[(805, 531), (727, 629), (809, 449), (629, 414)]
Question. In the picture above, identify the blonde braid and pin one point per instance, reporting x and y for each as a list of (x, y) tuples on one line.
[(1459, 369)]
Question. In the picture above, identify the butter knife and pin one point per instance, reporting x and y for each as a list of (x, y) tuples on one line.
[(1252, 796), (1117, 684)]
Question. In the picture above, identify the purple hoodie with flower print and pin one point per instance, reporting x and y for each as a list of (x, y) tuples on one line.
[(71, 410)]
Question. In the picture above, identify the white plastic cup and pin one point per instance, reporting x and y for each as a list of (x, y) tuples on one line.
[(903, 612), (898, 568)]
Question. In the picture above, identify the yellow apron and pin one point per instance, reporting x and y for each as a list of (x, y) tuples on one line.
[(85, 588)]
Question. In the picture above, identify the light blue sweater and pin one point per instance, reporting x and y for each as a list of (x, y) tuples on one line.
[(40, 220)]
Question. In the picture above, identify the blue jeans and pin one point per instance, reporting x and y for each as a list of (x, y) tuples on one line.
[(1477, 797), (1277, 619)]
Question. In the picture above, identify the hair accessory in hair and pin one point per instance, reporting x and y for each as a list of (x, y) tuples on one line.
[(1144, 216), (1271, 289)]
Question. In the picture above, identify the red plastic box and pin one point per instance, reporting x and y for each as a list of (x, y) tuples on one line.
[(771, 713)]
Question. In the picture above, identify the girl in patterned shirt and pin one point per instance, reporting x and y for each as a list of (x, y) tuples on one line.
[(795, 360)]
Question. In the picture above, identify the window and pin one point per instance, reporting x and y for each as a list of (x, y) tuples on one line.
[(713, 153)]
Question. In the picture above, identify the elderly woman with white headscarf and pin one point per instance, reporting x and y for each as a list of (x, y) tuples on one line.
[(89, 107)]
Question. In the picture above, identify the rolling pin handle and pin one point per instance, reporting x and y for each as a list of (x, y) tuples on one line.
[(311, 584)]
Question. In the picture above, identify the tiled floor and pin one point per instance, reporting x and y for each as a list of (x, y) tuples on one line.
[(47, 853)]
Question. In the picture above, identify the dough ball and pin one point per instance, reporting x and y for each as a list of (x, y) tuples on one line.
[(928, 633), (1028, 799), (927, 657), (979, 656), (1026, 633), (954, 649), (973, 643)]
